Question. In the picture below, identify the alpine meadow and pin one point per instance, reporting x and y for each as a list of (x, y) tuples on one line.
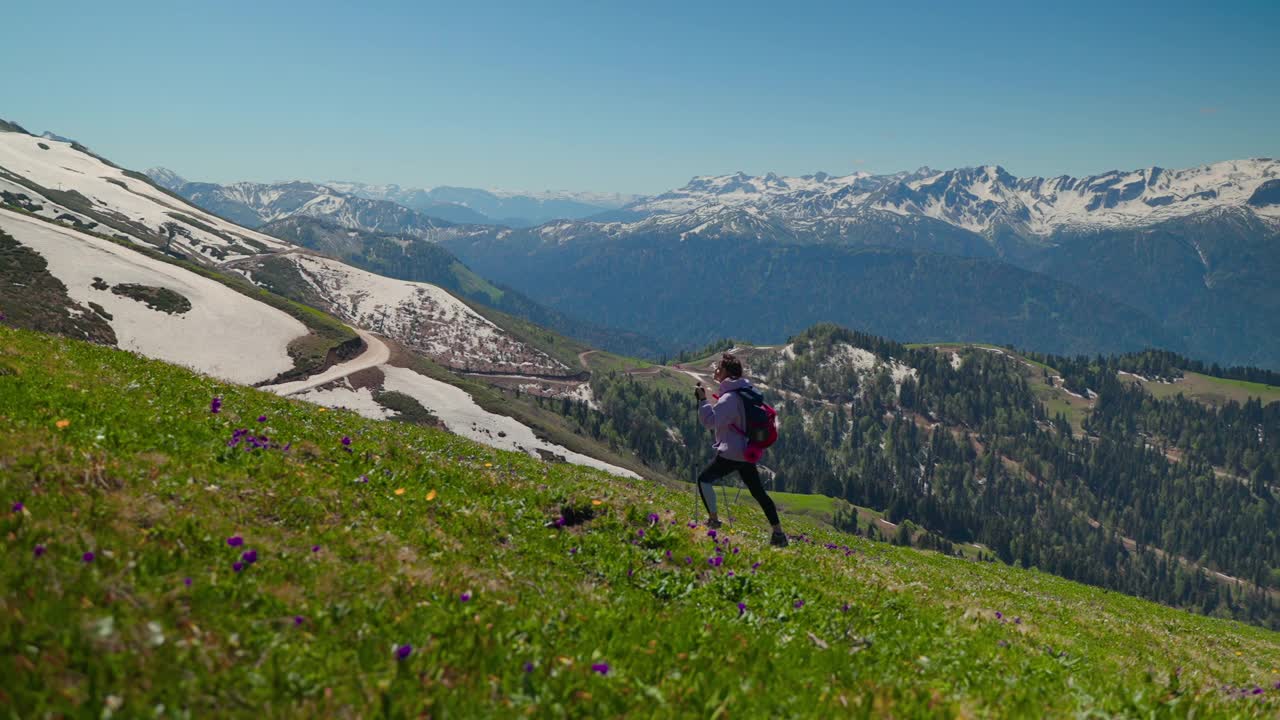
[(519, 361)]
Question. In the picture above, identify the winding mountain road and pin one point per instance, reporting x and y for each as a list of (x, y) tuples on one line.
[(376, 353)]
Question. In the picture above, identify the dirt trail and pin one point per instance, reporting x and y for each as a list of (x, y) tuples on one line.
[(375, 353)]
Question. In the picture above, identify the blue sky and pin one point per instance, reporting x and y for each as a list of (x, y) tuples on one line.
[(640, 96)]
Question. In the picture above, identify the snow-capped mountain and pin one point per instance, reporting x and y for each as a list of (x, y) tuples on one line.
[(503, 207), (62, 181), (256, 204), (166, 178), (984, 200)]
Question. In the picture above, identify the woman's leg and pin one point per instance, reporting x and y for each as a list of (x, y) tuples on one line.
[(751, 477), (706, 489)]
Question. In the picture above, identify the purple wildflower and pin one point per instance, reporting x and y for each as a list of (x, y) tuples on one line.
[(298, 620), (528, 667), (640, 533), (262, 418), (404, 651), (38, 550), (235, 541), (845, 608), (560, 521), (999, 615), (186, 581), (573, 551), (17, 507), (465, 597), (1257, 691), (362, 479), (315, 548), (653, 518), (215, 405), (237, 566), (711, 533), (799, 604), (601, 667), (1017, 621), (668, 554), (688, 561), (742, 609), (735, 551), (346, 441), (249, 557), (755, 566), (88, 556)]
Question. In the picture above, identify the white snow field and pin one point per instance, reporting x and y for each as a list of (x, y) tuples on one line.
[(343, 396), (224, 334), (460, 413), (423, 317), (61, 167)]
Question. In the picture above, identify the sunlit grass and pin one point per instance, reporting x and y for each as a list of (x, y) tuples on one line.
[(409, 536)]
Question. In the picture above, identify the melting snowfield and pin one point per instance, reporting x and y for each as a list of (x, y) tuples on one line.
[(224, 334), (57, 165), (460, 413), (343, 396), (424, 317)]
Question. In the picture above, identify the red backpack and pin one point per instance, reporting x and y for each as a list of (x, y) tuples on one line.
[(762, 427)]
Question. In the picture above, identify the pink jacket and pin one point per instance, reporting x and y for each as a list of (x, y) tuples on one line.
[(721, 417)]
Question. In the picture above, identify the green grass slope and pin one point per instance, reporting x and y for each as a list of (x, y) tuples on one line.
[(1210, 390), (409, 536)]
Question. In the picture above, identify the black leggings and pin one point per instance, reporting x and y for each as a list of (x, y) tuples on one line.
[(750, 477)]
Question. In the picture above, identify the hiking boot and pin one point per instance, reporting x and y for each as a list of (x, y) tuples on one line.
[(713, 524), (778, 539)]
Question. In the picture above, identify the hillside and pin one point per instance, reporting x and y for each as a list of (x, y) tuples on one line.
[(301, 567), (64, 181), (289, 332), (405, 257), (1040, 461), (686, 292)]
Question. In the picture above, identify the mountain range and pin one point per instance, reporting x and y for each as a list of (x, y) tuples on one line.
[(1179, 258), (258, 203)]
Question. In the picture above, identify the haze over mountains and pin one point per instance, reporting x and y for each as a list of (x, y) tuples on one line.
[(257, 203)]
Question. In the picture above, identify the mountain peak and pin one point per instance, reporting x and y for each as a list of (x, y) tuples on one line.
[(166, 178)]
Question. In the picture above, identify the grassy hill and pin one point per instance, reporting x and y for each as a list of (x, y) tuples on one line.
[(390, 569), (1210, 390)]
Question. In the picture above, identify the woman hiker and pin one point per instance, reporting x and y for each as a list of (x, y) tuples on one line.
[(727, 418)]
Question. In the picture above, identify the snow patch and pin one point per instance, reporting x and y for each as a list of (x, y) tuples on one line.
[(462, 416), (345, 397), (224, 334)]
